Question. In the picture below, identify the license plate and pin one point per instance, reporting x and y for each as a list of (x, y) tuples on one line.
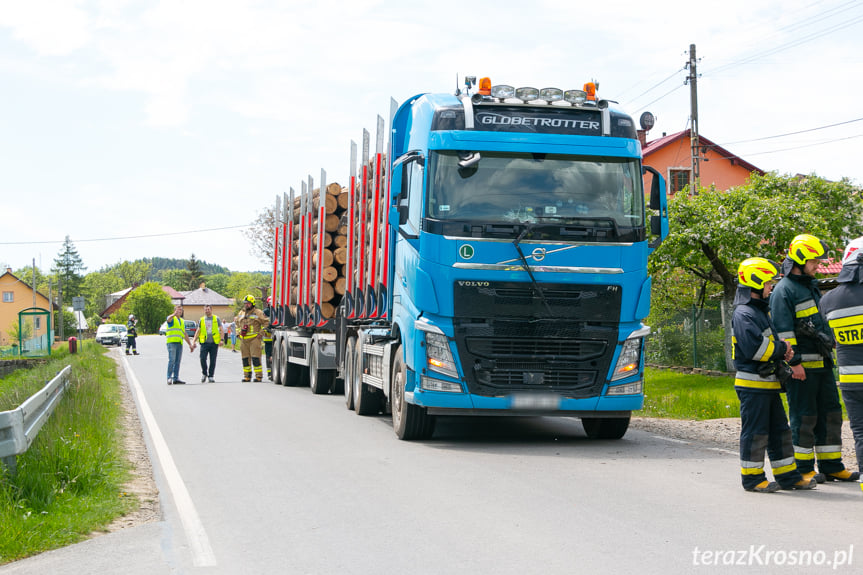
[(535, 401)]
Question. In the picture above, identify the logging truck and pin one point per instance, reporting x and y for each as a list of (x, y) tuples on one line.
[(488, 258)]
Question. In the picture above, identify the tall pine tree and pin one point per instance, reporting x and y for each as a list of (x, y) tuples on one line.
[(68, 267), (194, 275)]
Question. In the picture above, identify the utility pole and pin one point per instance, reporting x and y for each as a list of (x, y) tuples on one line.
[(693, 132)]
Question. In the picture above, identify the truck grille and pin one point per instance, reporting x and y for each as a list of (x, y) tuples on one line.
[(500, 357)]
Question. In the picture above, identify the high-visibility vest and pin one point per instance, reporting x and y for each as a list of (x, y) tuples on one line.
[(203, 326), (176, 330)]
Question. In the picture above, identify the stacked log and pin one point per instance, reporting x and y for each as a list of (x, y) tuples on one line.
[(334, 237)]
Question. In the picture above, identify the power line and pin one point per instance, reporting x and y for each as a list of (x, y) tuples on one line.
[(127, 237), (793, 133), (806, 145)]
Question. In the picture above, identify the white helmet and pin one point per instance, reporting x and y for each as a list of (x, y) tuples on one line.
[(131, 316)]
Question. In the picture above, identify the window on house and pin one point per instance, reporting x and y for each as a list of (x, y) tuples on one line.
[(37, 322), (678, 179), (8, 296)]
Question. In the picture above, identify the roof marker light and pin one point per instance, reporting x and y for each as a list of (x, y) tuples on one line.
[(590, 88), (551, 94), (575, 97), (485, 86), (502, 92), (527, 94)]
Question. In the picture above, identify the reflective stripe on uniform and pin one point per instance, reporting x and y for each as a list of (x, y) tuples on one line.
[(765, 350), (805, 453), (783, 465), (828, 452), (755, 381), (805, 308), (812, 360), (751, 467)]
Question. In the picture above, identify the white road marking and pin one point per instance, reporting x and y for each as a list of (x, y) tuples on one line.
[(202, 553)]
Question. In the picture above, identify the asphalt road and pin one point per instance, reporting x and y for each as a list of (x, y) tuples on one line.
[(258, 478)]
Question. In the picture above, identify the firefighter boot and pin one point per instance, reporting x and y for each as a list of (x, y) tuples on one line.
[(818, 477), (765, 487), (803, 484), (844, 475), (247, 369)]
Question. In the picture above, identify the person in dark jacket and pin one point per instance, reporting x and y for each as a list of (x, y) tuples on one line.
[(759, 356), (813, 400), (843, 308)]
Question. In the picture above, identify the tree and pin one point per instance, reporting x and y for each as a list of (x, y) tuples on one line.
[(261, 233), (713, 231), (177, 279), (242, 284), (41, 280), (194, 275), (218, 283), (95, 288), (150, 304), (68, 267), (132, 273), (24, 333)]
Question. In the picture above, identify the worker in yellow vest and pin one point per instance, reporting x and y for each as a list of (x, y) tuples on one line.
[(176, 333), (250, 329), (209, 333)]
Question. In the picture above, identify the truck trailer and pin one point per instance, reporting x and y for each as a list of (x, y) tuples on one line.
[(491, 259)]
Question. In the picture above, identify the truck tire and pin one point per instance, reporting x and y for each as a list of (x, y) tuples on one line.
[(350, 346), (321, 381), (295, 375), (605, 427), (366, 400), (278, 370), (409, 421)]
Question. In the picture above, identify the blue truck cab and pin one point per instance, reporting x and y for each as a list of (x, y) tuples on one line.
[(518, 264)]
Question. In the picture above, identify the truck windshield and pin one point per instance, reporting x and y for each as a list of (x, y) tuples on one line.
[(536, 188)]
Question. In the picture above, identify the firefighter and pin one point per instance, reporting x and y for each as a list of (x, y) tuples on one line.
[(131, 335), (813, 400), (759, 357), (268, 338), (250, 323), (843, 309)]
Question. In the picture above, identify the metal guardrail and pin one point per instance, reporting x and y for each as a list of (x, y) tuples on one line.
[(19, 427)]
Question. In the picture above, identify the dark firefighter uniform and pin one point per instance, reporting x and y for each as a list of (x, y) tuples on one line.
[(764, 427), (250, 323), (813, 403), (843, 309)]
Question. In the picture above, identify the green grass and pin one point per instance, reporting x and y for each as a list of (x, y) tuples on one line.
[(70, 482), (688, 396)]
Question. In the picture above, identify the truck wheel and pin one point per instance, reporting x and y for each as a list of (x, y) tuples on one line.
[(321, 381), (409, 421), (295, 375), (605, 427), (366, 400), (278, 374), (350, 346)]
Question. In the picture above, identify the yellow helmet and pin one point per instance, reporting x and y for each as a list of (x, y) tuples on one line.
[(250, 299), (756, 272), (805, 247)]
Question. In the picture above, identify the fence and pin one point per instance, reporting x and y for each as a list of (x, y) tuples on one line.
[(691, 338), (19, 427)]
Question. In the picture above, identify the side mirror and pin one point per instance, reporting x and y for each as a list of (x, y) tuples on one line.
[(655, 200)]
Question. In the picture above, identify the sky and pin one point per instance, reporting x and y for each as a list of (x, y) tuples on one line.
[(145, 128)]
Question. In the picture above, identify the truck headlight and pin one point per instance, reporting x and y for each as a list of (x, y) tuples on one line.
[(625, 389), (629, 360), (439, 355)]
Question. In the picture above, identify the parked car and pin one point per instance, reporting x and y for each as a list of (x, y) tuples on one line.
[(110, 333), (191, 326)]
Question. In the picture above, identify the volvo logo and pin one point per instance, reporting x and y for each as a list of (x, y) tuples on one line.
[(538, 254)]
